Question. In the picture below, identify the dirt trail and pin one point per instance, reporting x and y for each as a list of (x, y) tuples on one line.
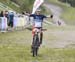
[(59, 39), (56, 11)]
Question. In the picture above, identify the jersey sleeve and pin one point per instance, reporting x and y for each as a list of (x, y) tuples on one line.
[(32, 15), (44, 16)]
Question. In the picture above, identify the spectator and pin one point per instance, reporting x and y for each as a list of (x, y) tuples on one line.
[(10, 18), (3, 22), (59, 23), (6, 14), (1, 14)]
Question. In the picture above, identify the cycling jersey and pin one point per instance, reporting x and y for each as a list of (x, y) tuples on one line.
[(38, 20)]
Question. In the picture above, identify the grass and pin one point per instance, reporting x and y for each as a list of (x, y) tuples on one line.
[(14, 7), (18, 53), (68, 28), (15, 47), (68, 11), (10, 5), (69, 15)]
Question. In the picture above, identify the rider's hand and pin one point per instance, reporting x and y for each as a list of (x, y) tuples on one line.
[(51, 16)]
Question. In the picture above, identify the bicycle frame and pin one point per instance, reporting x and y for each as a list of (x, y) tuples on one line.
[(36, 30), (36, 38)]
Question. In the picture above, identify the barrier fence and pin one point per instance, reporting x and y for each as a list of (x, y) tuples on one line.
[(3, 23), (17, 22)]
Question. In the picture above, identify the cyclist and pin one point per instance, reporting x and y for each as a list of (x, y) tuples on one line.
[(38, 22)]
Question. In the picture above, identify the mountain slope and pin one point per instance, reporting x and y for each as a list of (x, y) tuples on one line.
[(5, 5), (67, 14), (68, 11)]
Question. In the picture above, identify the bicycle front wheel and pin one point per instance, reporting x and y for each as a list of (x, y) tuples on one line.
[(35, 45)]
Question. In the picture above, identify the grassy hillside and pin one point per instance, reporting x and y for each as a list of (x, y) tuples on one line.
[(24, 4), (68, 11), (7, 3), (19, 5)]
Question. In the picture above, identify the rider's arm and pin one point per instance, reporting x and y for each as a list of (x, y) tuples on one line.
[(31, 15), (49, 16)]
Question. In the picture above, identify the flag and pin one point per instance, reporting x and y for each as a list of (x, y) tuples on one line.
[(36, 5)]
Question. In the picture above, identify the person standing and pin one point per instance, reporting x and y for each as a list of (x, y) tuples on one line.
[(3, 20), (1, 14), (10, 18)]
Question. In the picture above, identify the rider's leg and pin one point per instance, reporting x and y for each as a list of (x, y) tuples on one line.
[(41, 37), (33, 33)]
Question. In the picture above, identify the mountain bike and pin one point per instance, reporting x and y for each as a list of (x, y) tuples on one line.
[(36, 42)]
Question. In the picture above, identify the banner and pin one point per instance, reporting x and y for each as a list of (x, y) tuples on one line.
[(36, 5)]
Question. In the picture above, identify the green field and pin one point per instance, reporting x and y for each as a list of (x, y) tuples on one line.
[(16, 46)]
